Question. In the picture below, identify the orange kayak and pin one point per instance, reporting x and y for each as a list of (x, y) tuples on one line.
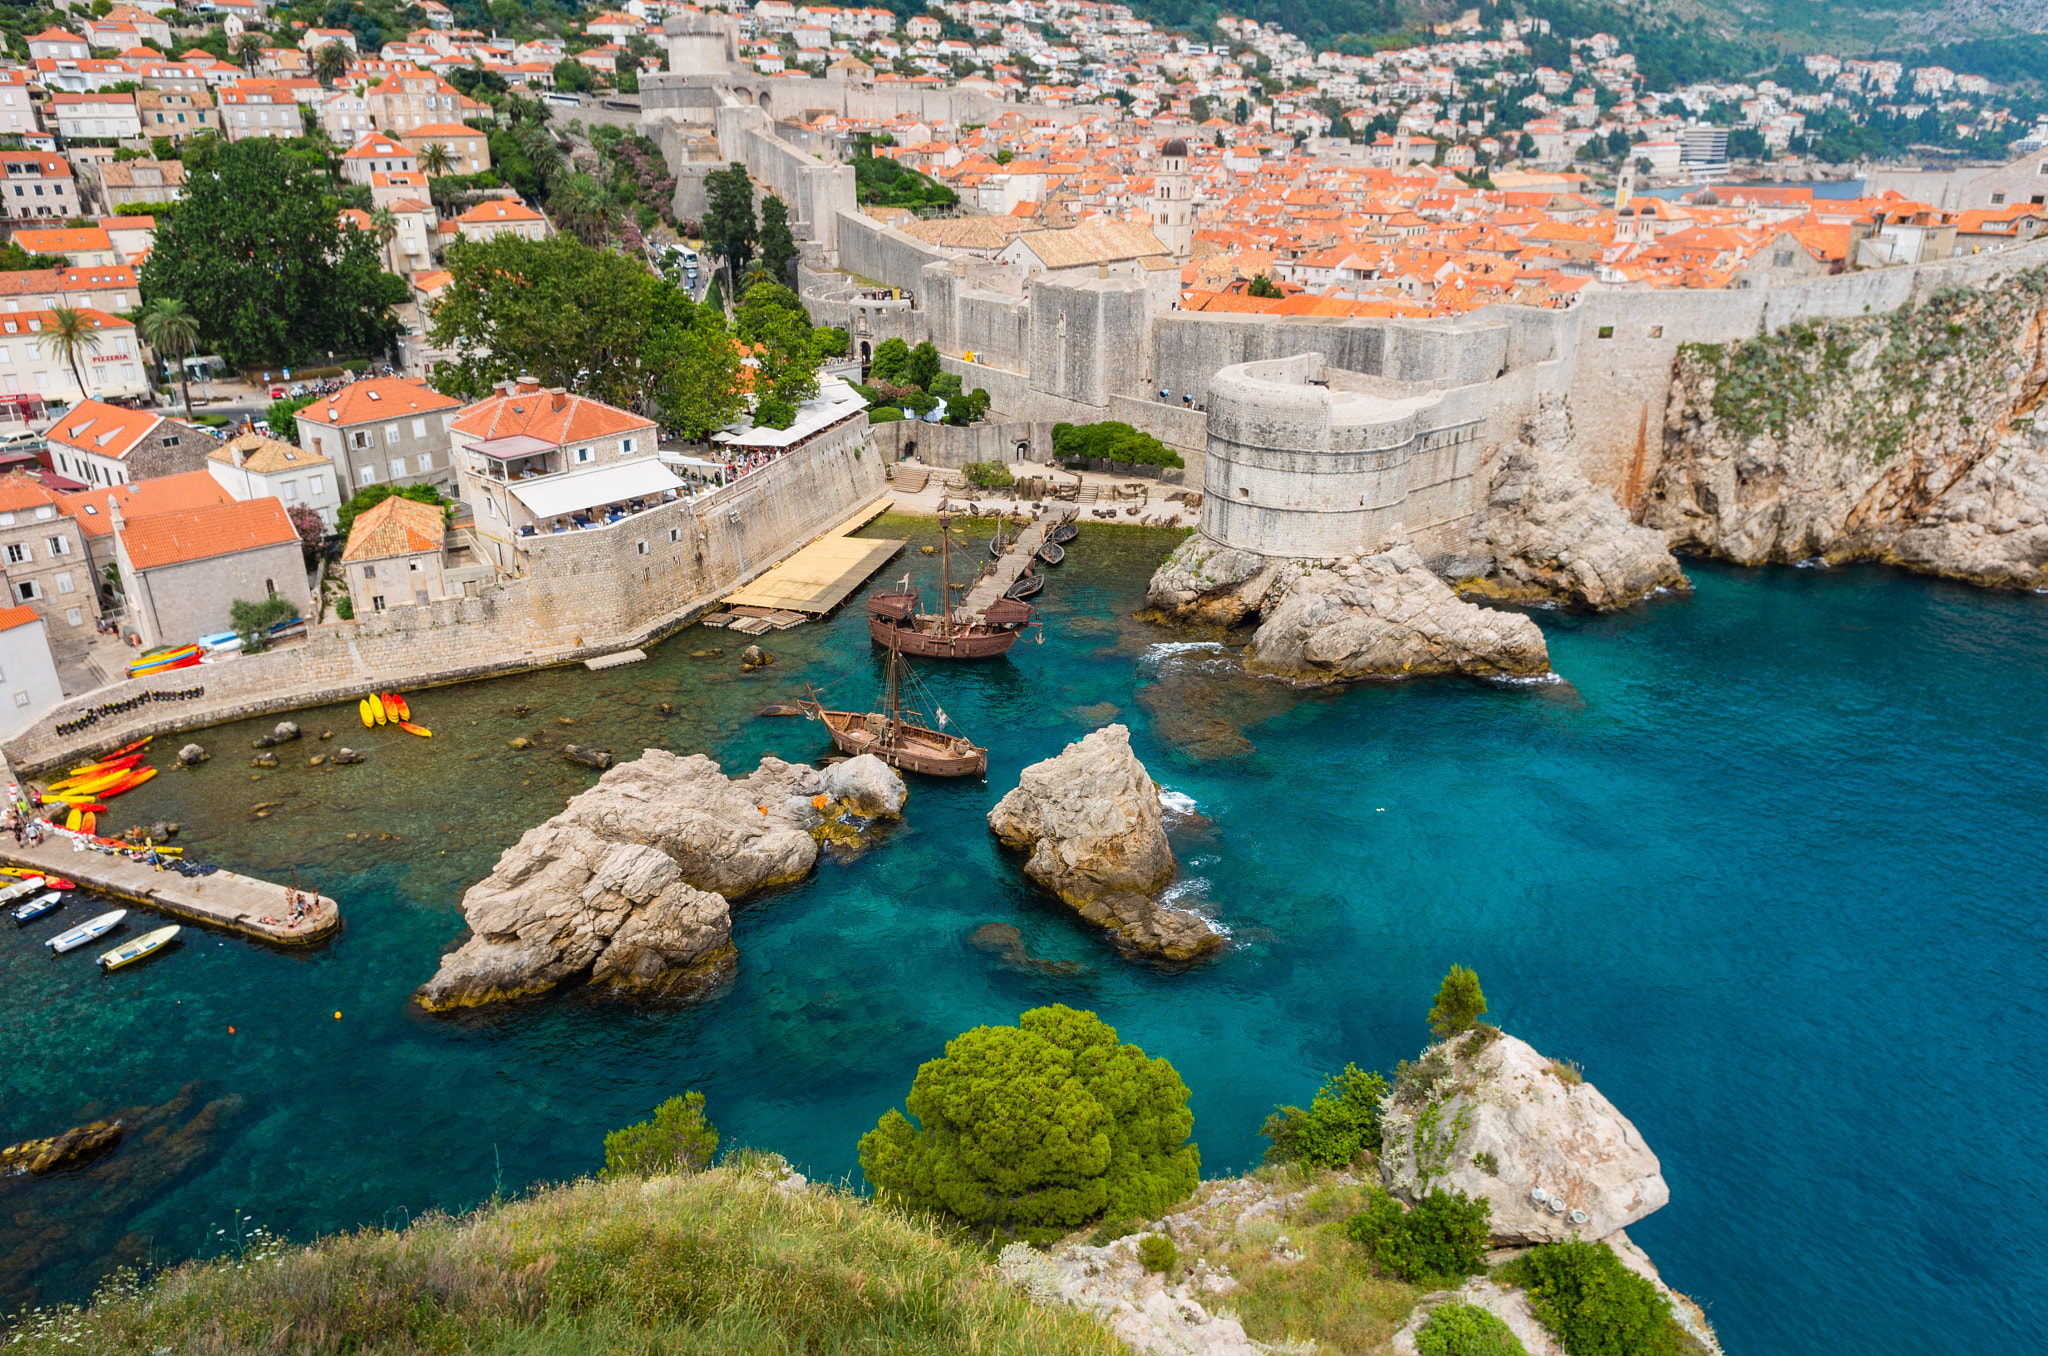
[(411, 728), (128, 783), (107, 764), (397, 702)]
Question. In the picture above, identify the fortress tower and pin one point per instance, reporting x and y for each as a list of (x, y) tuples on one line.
[(1173, 208)]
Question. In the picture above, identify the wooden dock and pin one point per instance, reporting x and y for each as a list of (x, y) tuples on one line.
[(222, 900), (818, 578), (1015, 558)]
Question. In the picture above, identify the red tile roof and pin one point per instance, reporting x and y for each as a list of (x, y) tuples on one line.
[(11, 617), (101, 429), (93, 510), (395, 527), (362, 402), (201, 534), (552, 416)]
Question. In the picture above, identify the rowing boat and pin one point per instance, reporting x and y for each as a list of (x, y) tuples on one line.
[(147, 944), (38, 906), (90, 930), (25, 887)]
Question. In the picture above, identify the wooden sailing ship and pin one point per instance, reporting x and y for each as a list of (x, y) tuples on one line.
[(901, 741), (895, 621)]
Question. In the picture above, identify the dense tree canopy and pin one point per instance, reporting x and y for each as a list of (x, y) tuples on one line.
[(1038, 1128), (256, 252), (778, 245), (729, 226)]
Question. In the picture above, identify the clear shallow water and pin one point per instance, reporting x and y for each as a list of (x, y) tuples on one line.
[(1765, 867)]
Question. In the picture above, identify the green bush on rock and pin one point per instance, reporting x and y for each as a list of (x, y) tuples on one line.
[(1441, 1241), (679, 1139), (1038, 1128), (1342, 1122), (1594, 1305), (988, 475), (1157, 1253), (1459, 1004), (1466, 1330)]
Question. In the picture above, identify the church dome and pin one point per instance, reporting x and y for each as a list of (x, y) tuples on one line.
[(1175, 147)]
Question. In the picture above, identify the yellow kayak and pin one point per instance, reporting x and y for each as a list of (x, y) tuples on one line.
[(363, 710), (74, 819), (377, 707)]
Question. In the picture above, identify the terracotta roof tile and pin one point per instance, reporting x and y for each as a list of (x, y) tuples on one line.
[(11, 617), (379, 398), (265, 455), (103, 430), (395, 527), (558, 419), (93, 510), (203, 533)]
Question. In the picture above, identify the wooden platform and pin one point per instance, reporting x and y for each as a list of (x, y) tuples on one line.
[(222, 900), (818, 578), (612, 661), (1015, 560)]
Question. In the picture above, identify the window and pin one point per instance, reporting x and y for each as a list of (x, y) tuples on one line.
[(367, 474), (675, 534), (625, 445), (59, 546), (21, 699), (391, 434), (18, 553), (377, 603), (419, 428), (75, 617), (64, 581), (361, 438), (640, 548), (369, 571), (288, 491), (1997, 198), (27, 591), (397, 467), (413, 566), (1781, 259), (582, 454), (425, 462), (313, 486)]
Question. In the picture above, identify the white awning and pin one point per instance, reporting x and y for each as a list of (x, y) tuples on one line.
[(575, 491)]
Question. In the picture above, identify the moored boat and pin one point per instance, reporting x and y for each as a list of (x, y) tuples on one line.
[(363, 710), (1052, 553), (901, 741), (1025, 586), (37, 907), (148, 944), (92, 929), (26, 886), (419, 730), (1065, 533), (894, 619)]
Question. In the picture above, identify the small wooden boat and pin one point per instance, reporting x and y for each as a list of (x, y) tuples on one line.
[(1052, 553), (149, 943), (1065, 533), (396, 701), (419, 730), (1026, 586), (363, 710), (377, 708), (20, 888), (903, 743), (37, 907), (92, 929)]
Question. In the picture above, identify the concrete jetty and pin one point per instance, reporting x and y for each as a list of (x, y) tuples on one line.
[(222, 900), (1016, 556)]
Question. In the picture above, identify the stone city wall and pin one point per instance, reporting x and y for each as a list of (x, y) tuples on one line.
[(817, 191), (587, 593)]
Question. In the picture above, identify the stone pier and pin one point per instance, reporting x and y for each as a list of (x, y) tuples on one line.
[(222, 900)]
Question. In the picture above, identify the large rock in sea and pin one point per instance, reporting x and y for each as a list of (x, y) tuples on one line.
[(1492, 1118), (74, 1146), (629, 884), (1387, 616), (1554, 537), (1091, 821), (1204, 584)]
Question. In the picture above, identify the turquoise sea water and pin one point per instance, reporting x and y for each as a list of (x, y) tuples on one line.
[(1765, 866)]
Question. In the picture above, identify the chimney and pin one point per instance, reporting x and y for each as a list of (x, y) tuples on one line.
[(527, 386), (558, 398)]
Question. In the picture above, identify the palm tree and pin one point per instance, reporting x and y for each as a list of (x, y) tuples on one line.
[(385, 223), (69, 333), (249, 49), (170, 327), (436, 160), (581, 208), (330, 62)]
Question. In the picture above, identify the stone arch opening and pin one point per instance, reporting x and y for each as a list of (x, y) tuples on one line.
[(865, 353), (1023, 450), (764, 100)]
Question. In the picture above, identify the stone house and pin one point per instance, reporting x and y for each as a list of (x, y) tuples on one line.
[(132, 181), (98, 115), (535, 460), (109, 288), (84, 246), (376, 154), (101, 444), (38, 184), (469, 151), (176, 114), (28, 668), (93, 512), (387, 429), (265, 110), (254, 467), (393, 557), (401, 103), (181, 572), (410, 249), (490, 219), (46, 565)]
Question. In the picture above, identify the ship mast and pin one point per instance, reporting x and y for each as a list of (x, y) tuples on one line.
[(895, 698), (945, 576)]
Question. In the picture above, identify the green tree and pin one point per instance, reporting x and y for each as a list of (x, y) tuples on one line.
[(169, 327), (1466, 1330), (694, 368), (556, 309), (256, 251), (281, 416), (1438, 1243), (248, 50), (1341, 1124), (890, 358), (923, 368), (68, 333), (372, 495), (15, 259), (435, 159), (1038, 1128), (1593, 1303), (1459, 1004), (729, 227), (679, 1139), (572, 76), (581, 208), (383, 225), (1262, 286), (330, 63), (252, 621), (778, 246), (786, 351)]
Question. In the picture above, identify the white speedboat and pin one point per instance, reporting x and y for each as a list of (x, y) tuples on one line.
[(129, 952), (38, 906), (16, 891), (89, 931)]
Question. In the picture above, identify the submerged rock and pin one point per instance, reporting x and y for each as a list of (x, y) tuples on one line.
[(867, 786), (192, 755), (629, 884), (1005, 942), (1090, 820), (74, 1146), (587, 756), (347, 755), (1388, 616), (1553, 536), (1493, 1118)]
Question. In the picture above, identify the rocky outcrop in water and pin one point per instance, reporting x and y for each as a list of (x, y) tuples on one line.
[(74, 1146), (1916, 438), (1388, 616), (1091, 822), (1554, 537), (1203, 584), (628, 886), (1494, 1119)]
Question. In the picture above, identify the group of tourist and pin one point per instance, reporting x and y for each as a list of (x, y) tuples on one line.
[(25, 828)]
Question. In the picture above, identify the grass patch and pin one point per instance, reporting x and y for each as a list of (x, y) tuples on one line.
[(715, 1263), (1330, 1296)]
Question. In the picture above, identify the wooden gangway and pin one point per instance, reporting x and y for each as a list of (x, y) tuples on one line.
[(1016, 557), (817, 579)]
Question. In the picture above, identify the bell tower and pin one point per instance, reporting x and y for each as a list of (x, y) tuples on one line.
[(1173, 208)]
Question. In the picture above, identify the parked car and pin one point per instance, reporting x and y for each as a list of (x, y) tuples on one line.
[(277, 393)]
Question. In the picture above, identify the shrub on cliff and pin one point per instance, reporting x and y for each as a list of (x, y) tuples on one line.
[(679, 1139), (1342, 1122), (988, 475), (1037, 1128), (1466, 1330), (1439, 1242), (1592, 1304), (1459, 1004)]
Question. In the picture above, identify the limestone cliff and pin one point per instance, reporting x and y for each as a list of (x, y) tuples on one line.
[(1553, 536), (1913, 438)]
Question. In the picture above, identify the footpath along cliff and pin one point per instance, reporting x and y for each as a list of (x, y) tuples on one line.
[(1915, 438)]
